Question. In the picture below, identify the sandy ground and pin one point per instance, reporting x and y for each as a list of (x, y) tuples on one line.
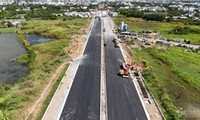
[(74, 49)]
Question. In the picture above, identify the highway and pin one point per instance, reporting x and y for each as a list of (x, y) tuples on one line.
[(83, 102), (123, 102)]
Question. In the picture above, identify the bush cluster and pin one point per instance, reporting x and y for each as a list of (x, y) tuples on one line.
[(140, 14), (178, 30), (155, 17), (132, 13)]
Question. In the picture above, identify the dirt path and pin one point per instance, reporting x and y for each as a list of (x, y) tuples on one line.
[(36, 108)]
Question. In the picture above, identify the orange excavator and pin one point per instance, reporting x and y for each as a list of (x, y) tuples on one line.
[(124, 71)]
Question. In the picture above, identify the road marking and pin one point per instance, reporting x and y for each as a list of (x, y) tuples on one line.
[(103, 96)]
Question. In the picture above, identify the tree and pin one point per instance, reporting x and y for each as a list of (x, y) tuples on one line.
[(27, 17), (155, 17), (169, 19), (131, 13), (2, 15)]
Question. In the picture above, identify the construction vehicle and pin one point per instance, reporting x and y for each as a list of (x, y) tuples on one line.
[(116, 42), (117, 45), (114, 31), (125, 68), (105, 43), (114, 39), (97, 17)]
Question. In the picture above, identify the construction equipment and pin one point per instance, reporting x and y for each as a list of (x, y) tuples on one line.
[(117, 45), (114, 31), (105, 43), (125, 68), (104, 29), (114, 39), (137, 68), (116, 42)]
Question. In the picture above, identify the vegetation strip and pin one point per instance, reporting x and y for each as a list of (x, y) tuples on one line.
[(167, 80), (42, 60), (51, 94)]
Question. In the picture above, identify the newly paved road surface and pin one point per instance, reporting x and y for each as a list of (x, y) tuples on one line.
[(123, 102), (83, 102)]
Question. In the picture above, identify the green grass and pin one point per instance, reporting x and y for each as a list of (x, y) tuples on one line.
[(138, 25), (9, 30), (58, 28), (51, 94), (195, 38), (172, 76), (23, 40), (23, 59), (42, 60)]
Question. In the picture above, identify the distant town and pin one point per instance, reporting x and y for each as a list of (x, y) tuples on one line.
[(171, 11), (65, 2)]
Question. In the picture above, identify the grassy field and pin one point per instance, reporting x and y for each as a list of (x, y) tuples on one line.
[(173, 77), (138, 25), (8, 30), (51, 94), (42, 61), (58, 29)]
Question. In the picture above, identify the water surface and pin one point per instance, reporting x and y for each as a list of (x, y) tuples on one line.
[(37, 39), (10, 49)]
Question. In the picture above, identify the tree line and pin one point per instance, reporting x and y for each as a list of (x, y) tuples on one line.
[(141, 14)]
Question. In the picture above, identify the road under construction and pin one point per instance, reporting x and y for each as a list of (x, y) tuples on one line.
[(88, 98)]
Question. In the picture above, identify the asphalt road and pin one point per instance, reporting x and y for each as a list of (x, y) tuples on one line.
[(83, 102), (123, 102)]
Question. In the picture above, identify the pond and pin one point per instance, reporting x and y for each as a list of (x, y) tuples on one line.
[(10, 49), (37, 39)]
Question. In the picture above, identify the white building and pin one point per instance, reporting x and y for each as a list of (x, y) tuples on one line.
[(5, 2)]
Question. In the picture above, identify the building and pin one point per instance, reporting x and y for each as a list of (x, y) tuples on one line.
[(6, 2)]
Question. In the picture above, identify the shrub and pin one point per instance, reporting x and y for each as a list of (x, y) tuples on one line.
[(155, 17), (131, 13), (184, 30), (23, 59)]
